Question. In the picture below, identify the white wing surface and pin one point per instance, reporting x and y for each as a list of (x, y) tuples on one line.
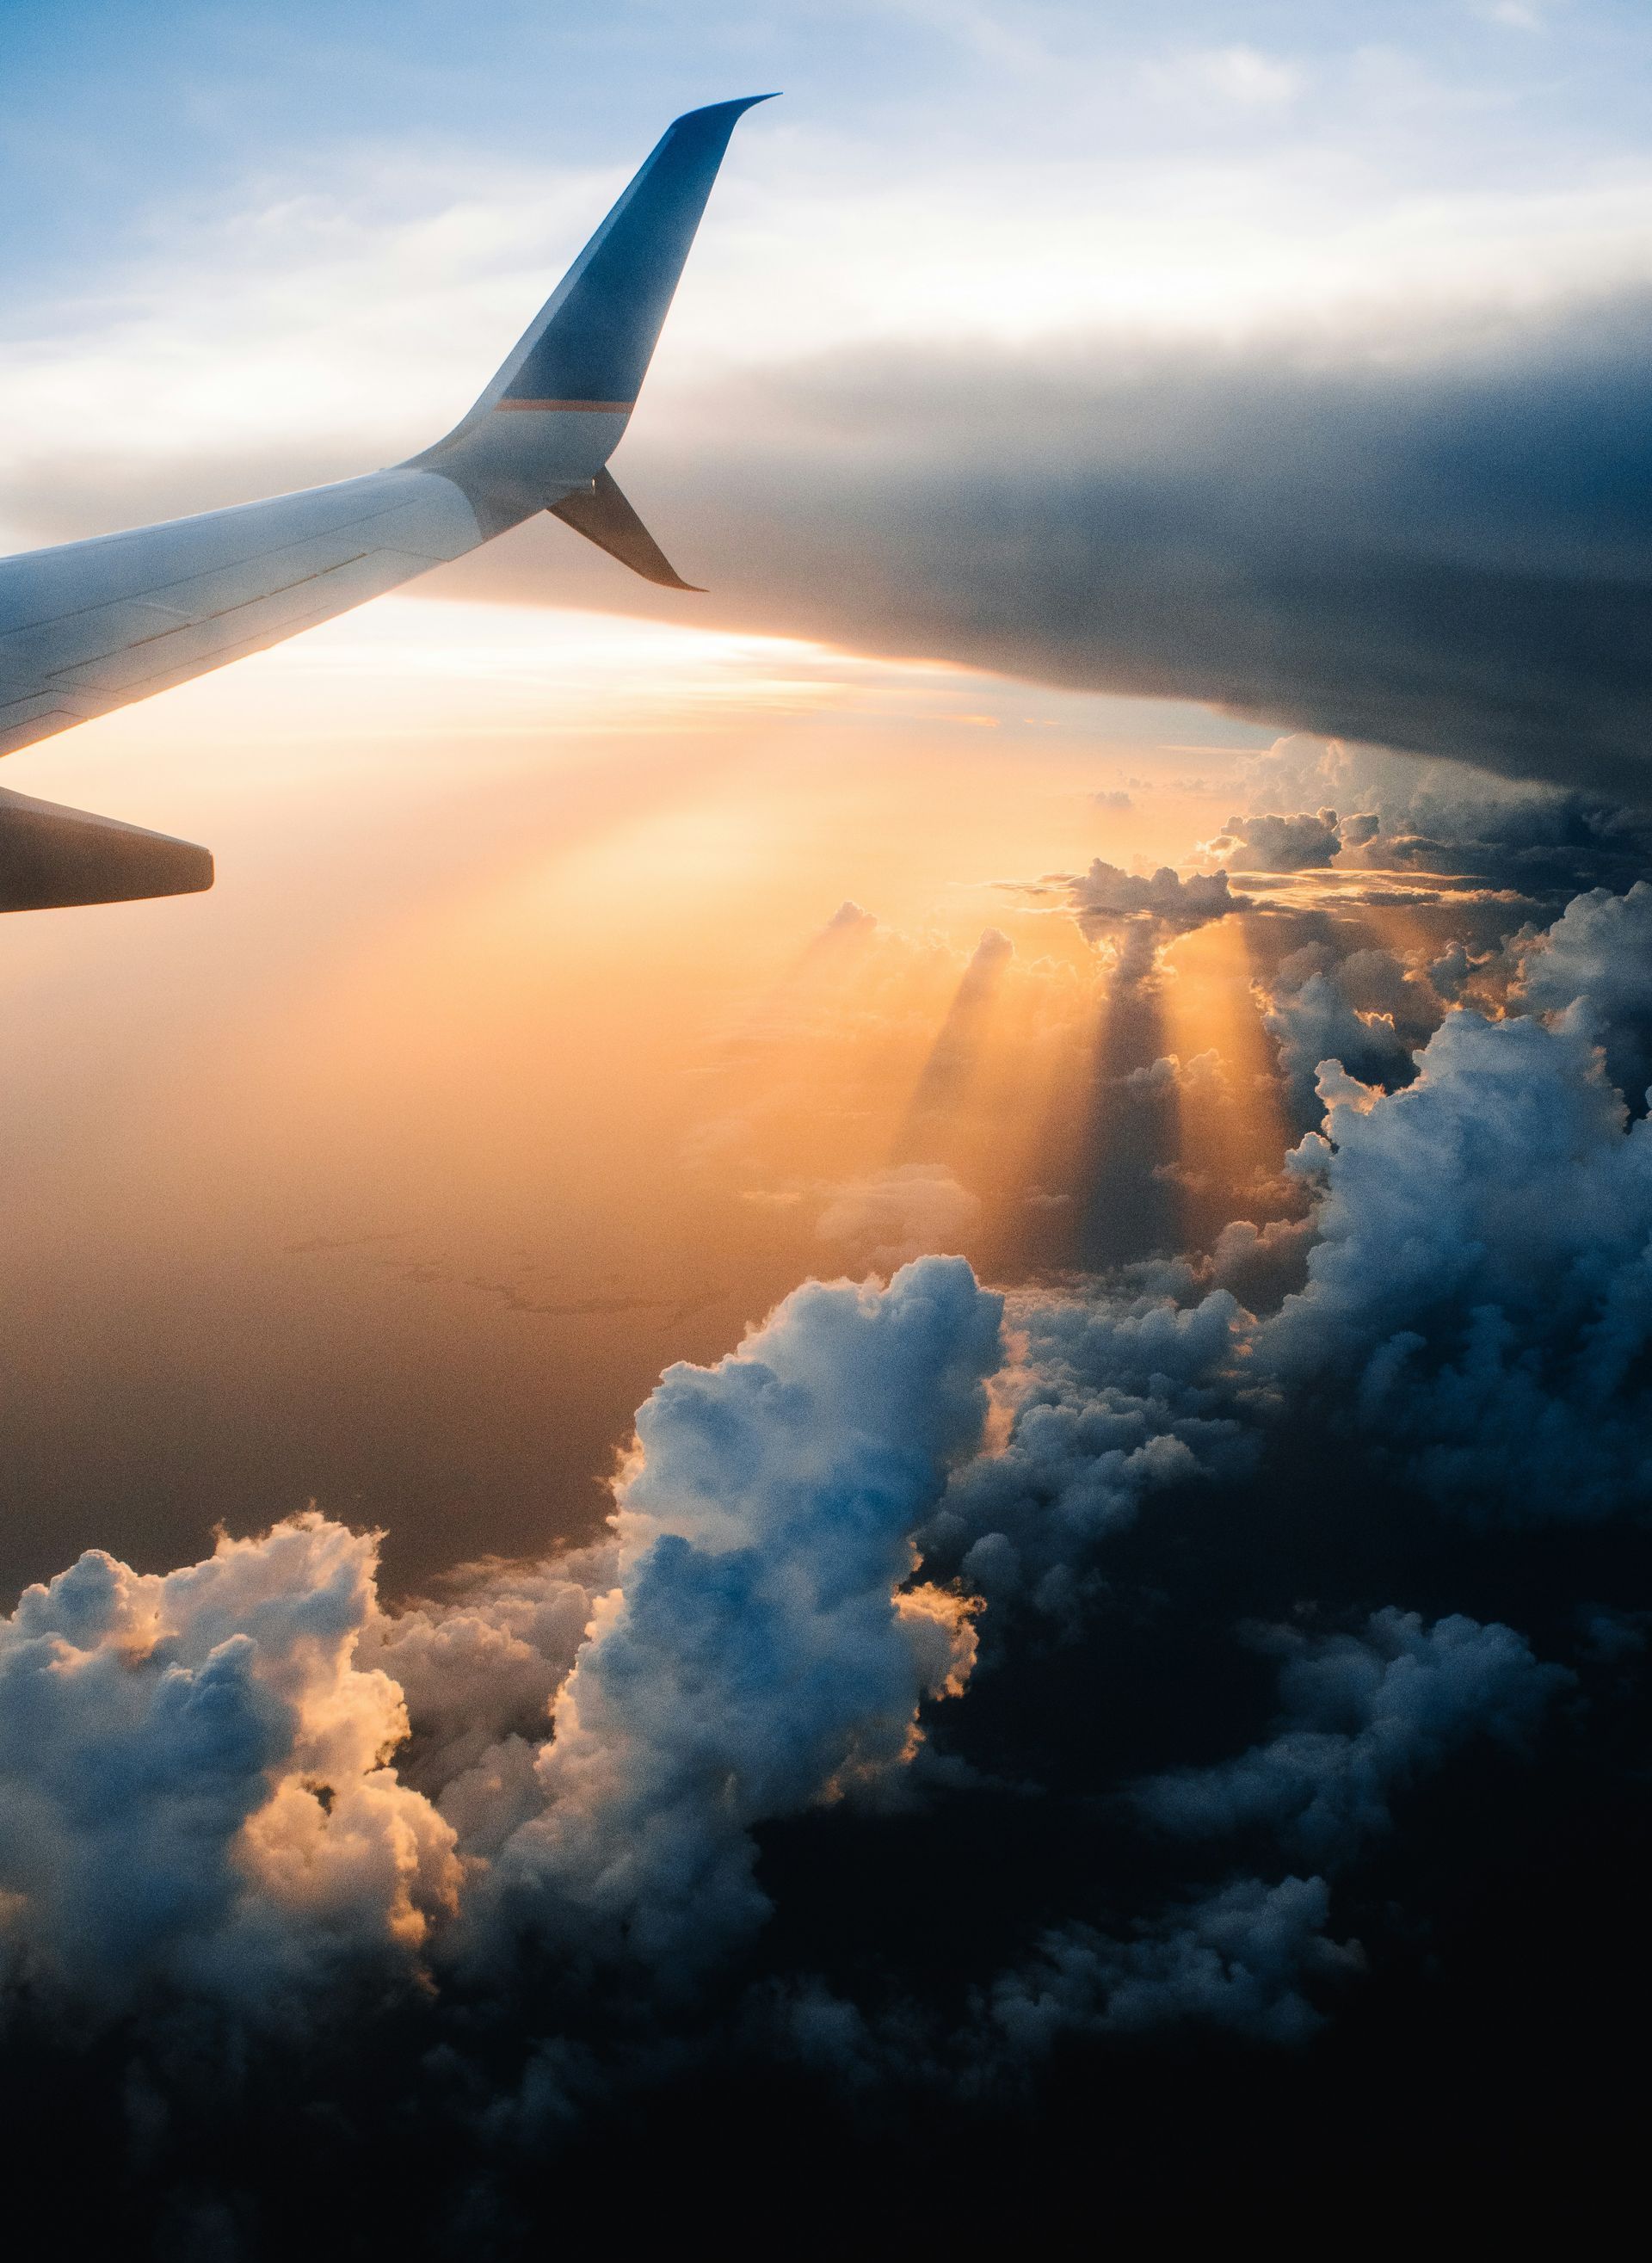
[(88, 626)]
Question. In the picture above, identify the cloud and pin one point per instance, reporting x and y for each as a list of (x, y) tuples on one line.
[(1592, 971), (1362, 1009), (1116, 513), (1114, 1397), (766, 1649), (1241, 1958), (197, 1799), (1271, 843), (1105, 899), (1261, 1264), (1200, 1073), (891, 1216), (1444, 818), (1241, 75), (194, 1799), (1479, 1285), (1361, 1716), (849, 919), (478, 1668)]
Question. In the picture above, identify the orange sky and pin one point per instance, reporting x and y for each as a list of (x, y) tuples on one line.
[(507, 1061)]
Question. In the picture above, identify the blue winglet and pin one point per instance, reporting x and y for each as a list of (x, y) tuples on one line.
[(593, 343)]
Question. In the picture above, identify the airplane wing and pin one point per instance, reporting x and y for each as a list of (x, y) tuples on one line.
[(88, 626)]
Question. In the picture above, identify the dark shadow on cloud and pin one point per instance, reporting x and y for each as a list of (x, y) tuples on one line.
[(1453, 559)]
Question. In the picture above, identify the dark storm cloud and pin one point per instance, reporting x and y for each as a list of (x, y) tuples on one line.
[(1442, 546)]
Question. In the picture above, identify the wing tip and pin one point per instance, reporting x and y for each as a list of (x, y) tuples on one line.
[(732, 110)]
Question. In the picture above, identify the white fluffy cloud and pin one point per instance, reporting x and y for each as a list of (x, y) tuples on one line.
[(1591, 971), (479, 1670), (193, 1789), (1481, 1286), (765, 1649), (195, 1794)]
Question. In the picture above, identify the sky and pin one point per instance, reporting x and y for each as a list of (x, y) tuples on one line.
[(843, 1389)]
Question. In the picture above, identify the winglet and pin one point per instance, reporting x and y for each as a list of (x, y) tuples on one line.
[(594, 340), (603, 516), (589, 348)]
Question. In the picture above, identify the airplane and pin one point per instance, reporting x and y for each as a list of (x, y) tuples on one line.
[(89, 627)]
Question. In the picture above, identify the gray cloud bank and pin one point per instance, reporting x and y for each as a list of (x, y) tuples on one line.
[(1438, 545)]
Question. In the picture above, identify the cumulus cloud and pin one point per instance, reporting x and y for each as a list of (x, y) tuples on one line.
[(194, 1793), (1199, 1072), (1272, 843), (850, 919), (199, 1801), (1362, 1009), (1241, 1958), (1443, 819), (1592, 971), (478, 1669), (1361, 1716), (1480, 1281), (1115, 1397), (1261, 1264), (766, 1648), (1105, 899)]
